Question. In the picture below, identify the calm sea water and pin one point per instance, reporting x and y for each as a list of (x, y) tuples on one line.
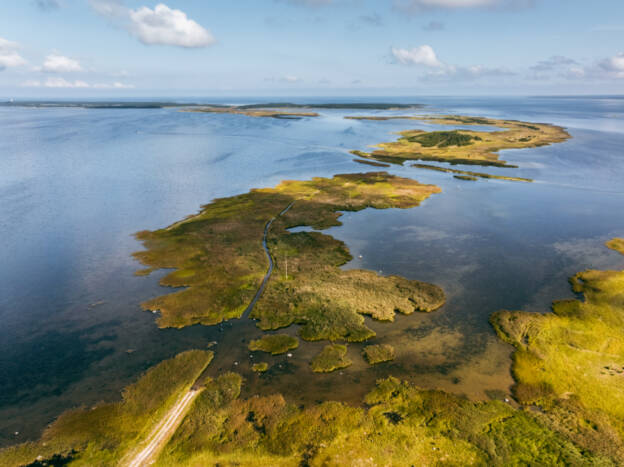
[(75, 184)]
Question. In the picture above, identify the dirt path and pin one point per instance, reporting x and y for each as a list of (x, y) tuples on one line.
[(163, 431), (267, 276)]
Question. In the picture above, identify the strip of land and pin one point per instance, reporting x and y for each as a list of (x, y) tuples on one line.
[(468, 173), (251, 112)]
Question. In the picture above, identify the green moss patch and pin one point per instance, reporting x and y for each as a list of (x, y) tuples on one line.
[(260, 367), (332, 357), (274, 344), (441, 139), (378, 353)]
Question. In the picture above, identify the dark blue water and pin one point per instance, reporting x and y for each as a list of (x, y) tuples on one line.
[(75, 184)]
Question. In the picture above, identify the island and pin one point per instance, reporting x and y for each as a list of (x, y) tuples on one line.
[(289, 110), (468, 147), (378, 353), (333, 357)]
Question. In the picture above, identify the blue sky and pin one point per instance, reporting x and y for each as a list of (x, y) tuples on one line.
[(61, 48)]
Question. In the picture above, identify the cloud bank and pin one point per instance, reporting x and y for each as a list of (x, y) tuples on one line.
[(58, 82)]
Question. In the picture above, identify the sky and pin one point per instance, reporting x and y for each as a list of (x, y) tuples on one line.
[(104, 48)]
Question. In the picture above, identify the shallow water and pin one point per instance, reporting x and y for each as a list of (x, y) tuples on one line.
[(75, 184)]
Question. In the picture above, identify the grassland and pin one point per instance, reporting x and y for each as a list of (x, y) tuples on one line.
[(333, 357), (469, 173), (401, 425), (217, 255), (274, 344), (569, 363), (397, 424), (463, 146), (378, 353)]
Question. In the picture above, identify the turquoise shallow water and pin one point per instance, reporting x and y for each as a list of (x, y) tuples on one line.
[(75, 184)]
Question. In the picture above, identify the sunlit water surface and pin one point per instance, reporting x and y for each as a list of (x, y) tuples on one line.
[(75, 184)]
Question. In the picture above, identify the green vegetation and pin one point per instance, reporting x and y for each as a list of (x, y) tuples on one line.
[(260, 367), (465, 146), (218, 257), (441, 139), (274, 344), (466, 177), (471, 174), (101, 435), (402, 425), (332, 357), (568, 362), (378, 353)]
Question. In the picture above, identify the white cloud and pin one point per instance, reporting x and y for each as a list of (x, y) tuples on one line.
[(614, 66), (165, 26), (55, 63), (159, 26), (8, 54), (423, 55), (58, 82)]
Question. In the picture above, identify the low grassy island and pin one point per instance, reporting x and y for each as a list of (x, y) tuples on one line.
[(274, 344), (333, 357), (567, 362), (471, 175), (250, 111), (260, 367), (463, 146), (218, 256), (290, 110), (378, 353)]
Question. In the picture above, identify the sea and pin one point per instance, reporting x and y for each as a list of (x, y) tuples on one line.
[(76, 182)]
